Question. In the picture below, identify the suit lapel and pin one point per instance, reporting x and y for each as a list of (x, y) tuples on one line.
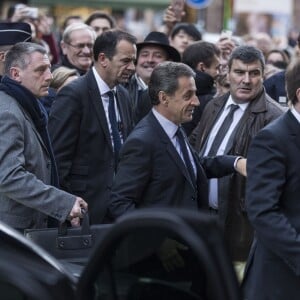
[(96, 100), (215, 113), (294, 128), (171, 150), (121, 107)]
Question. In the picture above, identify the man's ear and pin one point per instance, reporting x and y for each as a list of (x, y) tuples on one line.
[(63, 46), (298, 94), (163, 98), (200, 66), (102, 59), (15, 74)]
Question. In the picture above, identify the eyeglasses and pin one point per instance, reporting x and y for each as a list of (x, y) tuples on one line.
[(81, 46)]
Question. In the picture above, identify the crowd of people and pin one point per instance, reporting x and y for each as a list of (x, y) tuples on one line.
[(103, 122)]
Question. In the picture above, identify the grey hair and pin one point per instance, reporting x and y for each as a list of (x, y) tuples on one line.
[(165, 78), (66, 37), (19, 55)]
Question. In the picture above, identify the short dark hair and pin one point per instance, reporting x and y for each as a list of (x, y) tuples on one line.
[(165, 78), (247, 54), (18, 55), (189, 29), (284, 55), (200, 51), (292, 80), (107, 42), (101, 15)]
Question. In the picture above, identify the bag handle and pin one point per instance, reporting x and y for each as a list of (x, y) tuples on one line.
[(85, 225), (81, 240)]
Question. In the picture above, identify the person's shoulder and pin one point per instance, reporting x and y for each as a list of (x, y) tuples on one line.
[(8, 103), (276, 78), (144, 130), (5, 99), (121, 89), (276, 127), (215, 102), (274, 107)]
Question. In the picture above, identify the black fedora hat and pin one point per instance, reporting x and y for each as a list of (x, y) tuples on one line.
[(14, 32), (160, 39)]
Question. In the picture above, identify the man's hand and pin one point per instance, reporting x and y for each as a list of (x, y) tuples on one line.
[(241, 166), (226, 46), (77, 211), (170, 19), (169, 255)]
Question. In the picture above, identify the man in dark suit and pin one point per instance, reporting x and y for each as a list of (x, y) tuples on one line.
[(272, 203), (85, 138), (153, 171), (158, 168)]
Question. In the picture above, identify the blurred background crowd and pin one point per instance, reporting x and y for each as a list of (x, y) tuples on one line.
[(268, 25), (275, 21)]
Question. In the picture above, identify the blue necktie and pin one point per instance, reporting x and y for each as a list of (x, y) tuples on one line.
[(185, 154), (113, 123)]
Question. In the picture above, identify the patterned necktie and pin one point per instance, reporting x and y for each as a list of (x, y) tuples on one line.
[(222, 131), (113, 123), (185, 154)]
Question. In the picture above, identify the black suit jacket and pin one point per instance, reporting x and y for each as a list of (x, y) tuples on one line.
[(151, 173), (81, 141), (273, 207)]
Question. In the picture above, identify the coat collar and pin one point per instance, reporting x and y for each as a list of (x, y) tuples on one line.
[(257, 105), (294, 127)]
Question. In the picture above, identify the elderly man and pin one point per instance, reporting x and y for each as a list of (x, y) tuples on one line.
[(227, 126), (77, 47), (28, 177)]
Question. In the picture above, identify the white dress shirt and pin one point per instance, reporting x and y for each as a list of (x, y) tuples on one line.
[(295, 113), (213, 183), (170, 129), (104, 88)]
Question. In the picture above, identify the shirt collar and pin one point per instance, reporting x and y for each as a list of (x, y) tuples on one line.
[(295, 113), (168, 126), (141, 84), (242, 106), (102, 85)]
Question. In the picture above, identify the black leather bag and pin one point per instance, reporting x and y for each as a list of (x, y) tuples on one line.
[(71, 244)]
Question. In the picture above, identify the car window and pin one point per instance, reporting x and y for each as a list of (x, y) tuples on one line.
[(142, 267)]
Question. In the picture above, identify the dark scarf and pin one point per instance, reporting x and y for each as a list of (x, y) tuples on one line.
[(65, 62), (37, 113)]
